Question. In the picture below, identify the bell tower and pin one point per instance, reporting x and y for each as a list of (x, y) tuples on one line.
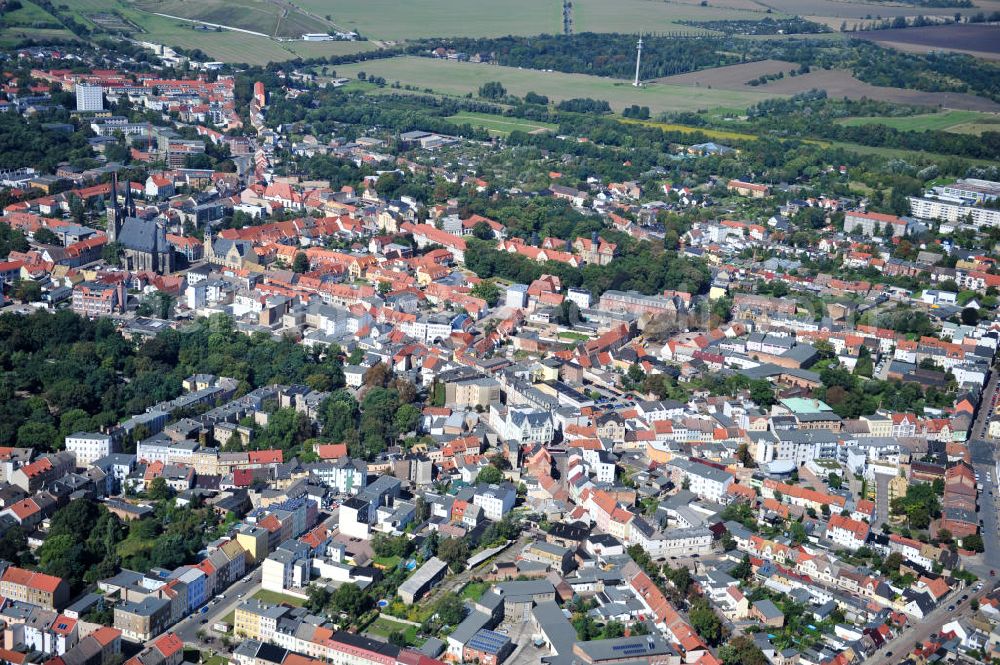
[(114, 212)]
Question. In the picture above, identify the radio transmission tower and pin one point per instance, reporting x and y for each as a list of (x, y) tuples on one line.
[(567, 17), (638, 58)]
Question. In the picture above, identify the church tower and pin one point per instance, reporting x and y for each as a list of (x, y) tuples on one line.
[(114, 212), (129, 203)]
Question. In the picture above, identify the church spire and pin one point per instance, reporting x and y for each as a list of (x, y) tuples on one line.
[(129, 203)]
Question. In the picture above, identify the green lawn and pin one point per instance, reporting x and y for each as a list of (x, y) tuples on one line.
[(275, 598), (474, 590), (574, 335), (215, 660), (495, 124), (945, 120), (387, 562), (458, 78), (384, 626)]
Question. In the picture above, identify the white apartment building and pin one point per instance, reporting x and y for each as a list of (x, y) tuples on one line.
[(953, 210), (88, 447), (89, 97), (705, 481), (495, 500), (346, 475)]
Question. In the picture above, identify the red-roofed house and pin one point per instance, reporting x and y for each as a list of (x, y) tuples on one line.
[(34, 588)]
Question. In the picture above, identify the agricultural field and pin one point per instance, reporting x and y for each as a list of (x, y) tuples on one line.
[(499, 125), (839, 83), (11, 37), (225, 45), (455, 78), (715, 134), (650, 16), (850, 10), (30, 15), (981, 40), (270, 18), (731, 77), (392, 20), (961, 122)]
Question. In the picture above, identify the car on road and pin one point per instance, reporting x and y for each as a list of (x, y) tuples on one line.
[(965, 597), (888, 654), (203, 621), (951, 608)]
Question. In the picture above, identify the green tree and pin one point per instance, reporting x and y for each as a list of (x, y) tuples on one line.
[(407, 418), (487, 290), (741, 650), (158, 490), (301, 262), (490, 475), (44, 236), (705, 622), (492, 90), (450, 609), (482, 230), (973, 542), (454, 551), (864, 366)]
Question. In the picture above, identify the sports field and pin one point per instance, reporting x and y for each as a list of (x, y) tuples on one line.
[(495, 124), (962, 122), (458, 78)]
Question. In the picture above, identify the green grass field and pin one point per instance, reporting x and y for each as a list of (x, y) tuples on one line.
[(651, 16), (969, 122), (275, 598), (499, 125), (394, 20), (29, 15), (226, 46), (474, 590), (31, 22), (455, 78), (257, 15), (387, 562), (384, 626)]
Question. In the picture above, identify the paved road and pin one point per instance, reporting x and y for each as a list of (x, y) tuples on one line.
[(981, 423), (984, 460), (188, 629), (921, 630), (881, 499)]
